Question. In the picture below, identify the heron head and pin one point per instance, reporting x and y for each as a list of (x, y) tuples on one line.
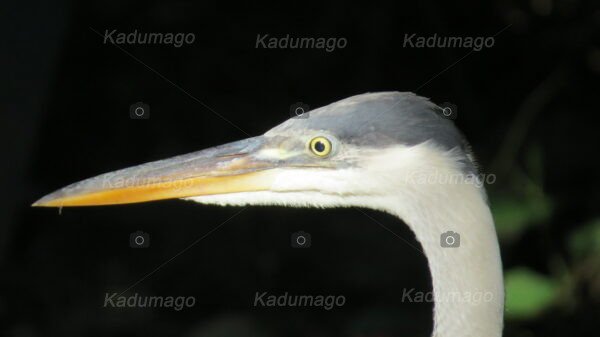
[(351, 150)]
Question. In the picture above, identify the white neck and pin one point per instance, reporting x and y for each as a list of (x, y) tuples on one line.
[(467, 280)]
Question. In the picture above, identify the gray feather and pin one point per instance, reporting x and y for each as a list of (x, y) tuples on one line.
[(384, 119)]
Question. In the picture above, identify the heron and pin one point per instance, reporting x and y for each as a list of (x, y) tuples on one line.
[(388, 151)]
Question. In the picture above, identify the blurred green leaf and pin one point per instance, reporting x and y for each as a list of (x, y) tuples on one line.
[(528, 293), (585, 241), (513, 215), (526, 204)]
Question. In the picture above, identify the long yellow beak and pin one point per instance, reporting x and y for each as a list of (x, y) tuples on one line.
[(229, 168)]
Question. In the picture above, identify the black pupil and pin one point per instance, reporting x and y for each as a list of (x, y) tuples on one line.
[(319, 146)]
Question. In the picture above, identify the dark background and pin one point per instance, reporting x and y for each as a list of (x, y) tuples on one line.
[(528, 105)]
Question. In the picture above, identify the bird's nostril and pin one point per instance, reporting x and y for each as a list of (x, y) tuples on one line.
[(239, 154)]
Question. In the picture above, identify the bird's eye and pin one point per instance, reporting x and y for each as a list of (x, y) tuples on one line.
[(320, 146)]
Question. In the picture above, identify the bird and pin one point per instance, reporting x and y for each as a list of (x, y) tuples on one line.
[(389, 151)]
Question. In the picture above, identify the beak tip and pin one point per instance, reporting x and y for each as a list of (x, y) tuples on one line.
[(39, 203), (45, 201)]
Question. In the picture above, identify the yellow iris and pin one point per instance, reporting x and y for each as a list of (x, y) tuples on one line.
[(320, 146)]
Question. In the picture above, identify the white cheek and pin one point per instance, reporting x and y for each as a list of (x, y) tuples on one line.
[(276, 154), (333, 181), (300, 188)]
